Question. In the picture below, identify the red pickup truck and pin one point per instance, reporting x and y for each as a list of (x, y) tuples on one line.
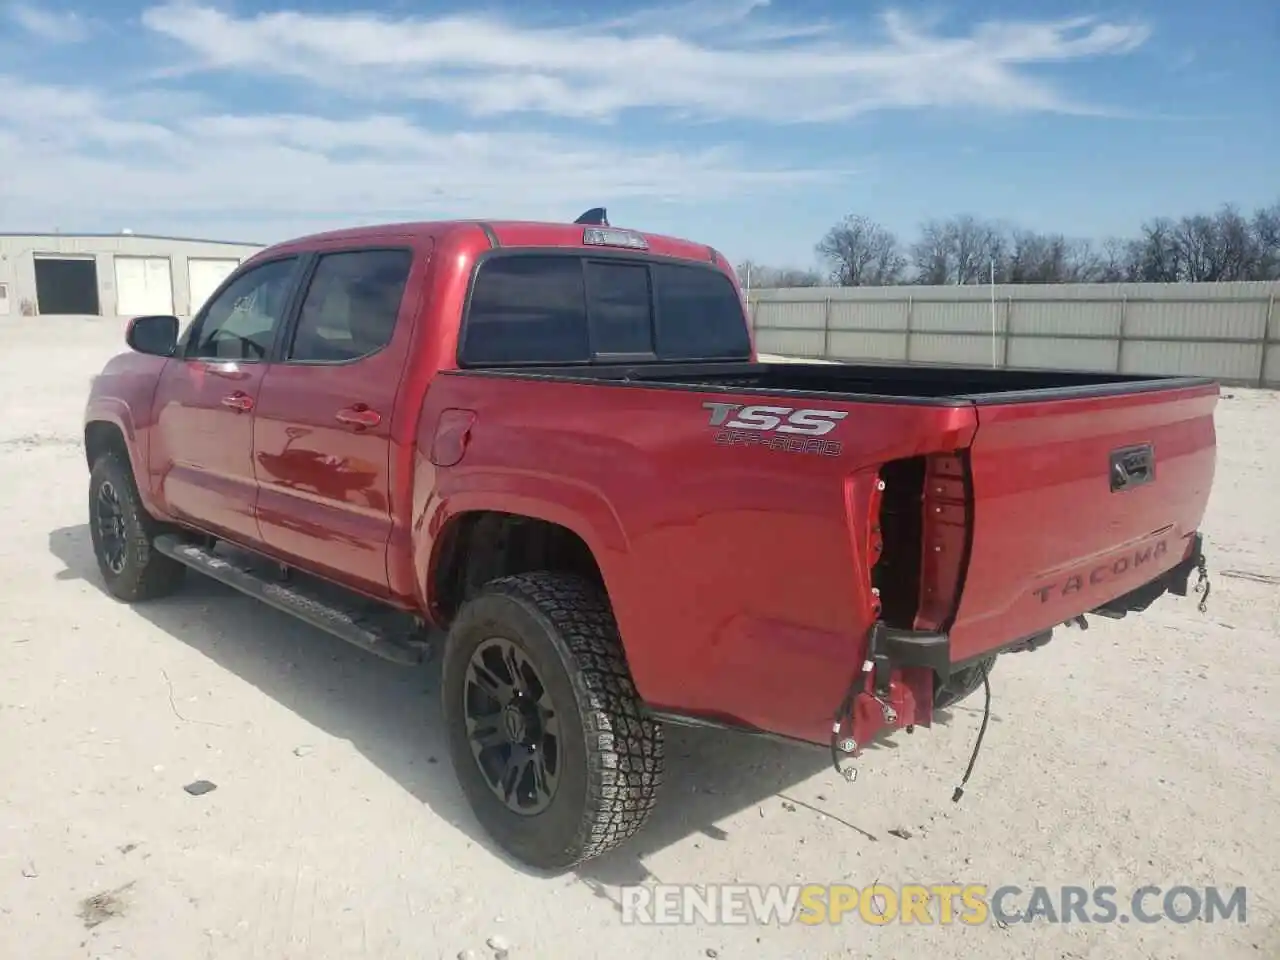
[(551, 451)]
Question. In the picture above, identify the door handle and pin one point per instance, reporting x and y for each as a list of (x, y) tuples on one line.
[(238, 401), (359, 416), (1132, 467)]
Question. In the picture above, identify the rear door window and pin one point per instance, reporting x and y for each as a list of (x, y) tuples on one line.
[(565, 308), (351, 305), (528, 310)]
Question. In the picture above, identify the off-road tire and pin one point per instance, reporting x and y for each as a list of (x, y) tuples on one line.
[(146, 574), (962, 684), (613, 749)]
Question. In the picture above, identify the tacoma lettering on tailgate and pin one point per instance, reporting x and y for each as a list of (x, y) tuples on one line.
[(789, 429), (1102, 573)]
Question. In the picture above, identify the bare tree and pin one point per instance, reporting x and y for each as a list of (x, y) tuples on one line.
[(1237, 251), (861, 253), (1194, 244), (1037, 258), (1213, 248), (1157, 258), (793, 277), (1085, 262), (932, 254), (977, 244), (1266, 232), (960, 250), (1116, 261), (1225, 245), (760, 276)]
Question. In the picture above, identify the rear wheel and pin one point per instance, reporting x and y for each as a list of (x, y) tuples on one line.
[(122, 531), (547, 735)]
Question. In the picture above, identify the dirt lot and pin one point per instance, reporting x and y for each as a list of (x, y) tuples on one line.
[(1143, 752)]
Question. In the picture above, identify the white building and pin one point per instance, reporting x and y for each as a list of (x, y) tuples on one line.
[(111, 274)]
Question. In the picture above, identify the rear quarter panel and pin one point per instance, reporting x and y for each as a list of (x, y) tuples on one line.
[(733, 571)]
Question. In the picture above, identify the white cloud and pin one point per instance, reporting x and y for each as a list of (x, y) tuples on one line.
[(73, 153), (712, 59), (712, 19), (53, 26), (87, 156)]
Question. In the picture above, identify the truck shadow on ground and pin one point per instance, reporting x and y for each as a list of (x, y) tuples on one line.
[(391, 715)]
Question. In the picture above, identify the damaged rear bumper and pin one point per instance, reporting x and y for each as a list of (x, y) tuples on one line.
[(904, 669), (891, 647), (1176, 581)]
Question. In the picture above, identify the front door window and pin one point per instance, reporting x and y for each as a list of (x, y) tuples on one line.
[(241, 322)]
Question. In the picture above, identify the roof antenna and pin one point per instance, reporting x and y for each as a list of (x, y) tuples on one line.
[(595, 217)]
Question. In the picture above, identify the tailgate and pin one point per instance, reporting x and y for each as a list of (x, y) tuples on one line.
[(1076, 502)]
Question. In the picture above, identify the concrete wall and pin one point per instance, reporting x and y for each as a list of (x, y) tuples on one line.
[(17, 263), (1230, 331)]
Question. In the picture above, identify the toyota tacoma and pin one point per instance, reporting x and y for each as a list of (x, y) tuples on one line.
[(551, 453)]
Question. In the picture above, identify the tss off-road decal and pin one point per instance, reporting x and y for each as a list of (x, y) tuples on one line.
[(789, 429)]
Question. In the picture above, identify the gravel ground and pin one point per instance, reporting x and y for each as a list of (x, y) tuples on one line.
[(1139, 752)]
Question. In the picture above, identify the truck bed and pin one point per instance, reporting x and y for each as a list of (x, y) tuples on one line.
[(863, 383), (748, 552)]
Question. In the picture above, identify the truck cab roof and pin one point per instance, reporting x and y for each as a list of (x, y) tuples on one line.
[(507, 233)]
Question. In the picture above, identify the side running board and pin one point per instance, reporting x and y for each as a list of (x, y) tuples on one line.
[(384, 632)]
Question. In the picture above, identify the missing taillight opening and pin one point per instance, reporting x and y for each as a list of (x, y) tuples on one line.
[(924, 520), (897, 573)]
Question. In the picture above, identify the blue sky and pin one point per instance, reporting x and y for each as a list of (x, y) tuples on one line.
[(749, 125)]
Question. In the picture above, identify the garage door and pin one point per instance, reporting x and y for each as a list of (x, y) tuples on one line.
[(66, 285), (205, 276), (144, 285)]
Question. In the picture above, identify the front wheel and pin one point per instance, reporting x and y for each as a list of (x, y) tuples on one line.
[(550, 742), (122, 531)]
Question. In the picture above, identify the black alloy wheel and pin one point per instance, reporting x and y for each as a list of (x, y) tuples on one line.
[(555, 752), (512, 726), (113, 540), (121, 533)]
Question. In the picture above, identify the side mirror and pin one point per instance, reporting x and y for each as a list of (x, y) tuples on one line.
[(157, 336)]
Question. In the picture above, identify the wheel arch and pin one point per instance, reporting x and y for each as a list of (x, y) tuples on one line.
[(479, 545), (104, 436), (108, 431)]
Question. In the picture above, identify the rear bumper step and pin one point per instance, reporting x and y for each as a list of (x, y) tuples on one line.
[(1176, 581), (383, 632), (891, 648)]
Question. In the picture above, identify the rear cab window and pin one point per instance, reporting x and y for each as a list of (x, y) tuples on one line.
[(554, 308)]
